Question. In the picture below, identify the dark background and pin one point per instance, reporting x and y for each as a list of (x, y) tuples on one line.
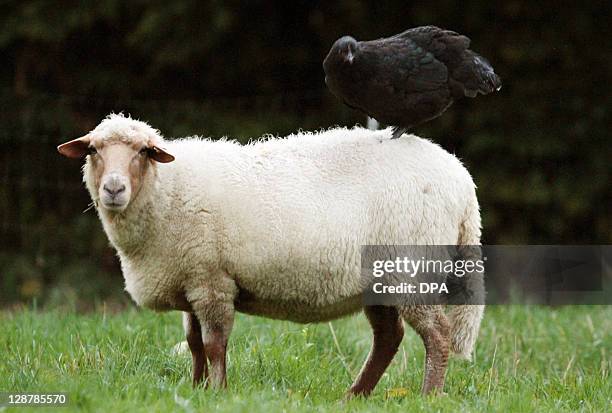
[(539, 149)]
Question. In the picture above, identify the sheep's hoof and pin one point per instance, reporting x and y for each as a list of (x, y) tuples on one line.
[(435, 393), (349, 395)]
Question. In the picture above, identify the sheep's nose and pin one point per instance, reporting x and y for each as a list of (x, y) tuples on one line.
[(114, 187), (114, 190)]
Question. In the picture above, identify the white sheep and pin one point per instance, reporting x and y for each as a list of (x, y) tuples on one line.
[(274, 228)]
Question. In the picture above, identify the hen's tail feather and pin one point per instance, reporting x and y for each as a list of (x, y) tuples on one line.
[(475, 75)]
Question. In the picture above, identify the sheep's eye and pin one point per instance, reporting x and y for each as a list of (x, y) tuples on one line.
[(144, 151), (92, 150)]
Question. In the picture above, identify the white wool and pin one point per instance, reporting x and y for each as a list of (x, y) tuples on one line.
[(283, 218)]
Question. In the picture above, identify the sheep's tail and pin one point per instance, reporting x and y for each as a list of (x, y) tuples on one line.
[(465, 318), (182, 347)]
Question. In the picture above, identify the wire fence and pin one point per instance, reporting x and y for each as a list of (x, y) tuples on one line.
[(46, 238), (528, 187), (47, 243)]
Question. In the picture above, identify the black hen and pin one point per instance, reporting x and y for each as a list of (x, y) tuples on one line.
[(409, 78)]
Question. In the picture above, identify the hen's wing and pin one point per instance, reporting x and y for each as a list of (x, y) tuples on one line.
[(407, 84)]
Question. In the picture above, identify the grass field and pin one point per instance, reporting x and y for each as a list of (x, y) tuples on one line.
[(527, 359)]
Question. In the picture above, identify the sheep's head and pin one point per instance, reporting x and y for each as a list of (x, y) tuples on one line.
[(120, 153)]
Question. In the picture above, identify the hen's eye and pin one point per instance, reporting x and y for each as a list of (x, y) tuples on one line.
[(92, 150)]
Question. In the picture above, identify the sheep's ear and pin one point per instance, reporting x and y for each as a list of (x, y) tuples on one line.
[(76, 148), (160, 155)]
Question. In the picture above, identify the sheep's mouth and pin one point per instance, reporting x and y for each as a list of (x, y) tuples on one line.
[(114, 206)]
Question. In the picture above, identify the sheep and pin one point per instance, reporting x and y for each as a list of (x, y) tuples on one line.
[(274, 228)]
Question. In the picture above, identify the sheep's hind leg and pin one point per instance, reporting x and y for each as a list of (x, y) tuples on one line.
[(193, 331), (388, 333), (430, 322)]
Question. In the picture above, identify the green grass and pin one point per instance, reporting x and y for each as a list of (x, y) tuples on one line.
[(528, 359)]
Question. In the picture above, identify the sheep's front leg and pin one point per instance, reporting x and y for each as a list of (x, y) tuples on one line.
[(215, 348), (215, 312), (388, 333), (193, 332)]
